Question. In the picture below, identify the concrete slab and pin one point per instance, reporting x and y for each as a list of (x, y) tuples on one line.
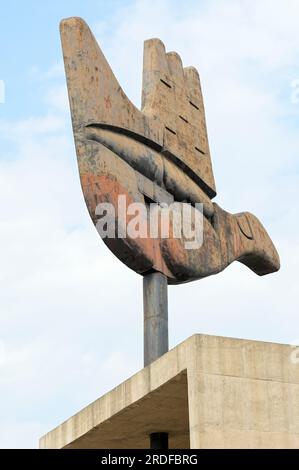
[(208, 392)]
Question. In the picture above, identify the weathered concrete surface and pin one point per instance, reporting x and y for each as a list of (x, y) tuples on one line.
[(157, 154), (208, 392)]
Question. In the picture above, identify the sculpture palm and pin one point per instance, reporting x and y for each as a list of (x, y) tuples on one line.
[(158, 154)]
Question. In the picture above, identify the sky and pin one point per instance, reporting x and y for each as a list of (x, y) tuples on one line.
[(71, 321)]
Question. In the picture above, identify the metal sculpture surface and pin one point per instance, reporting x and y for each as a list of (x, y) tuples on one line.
[(159, 154)]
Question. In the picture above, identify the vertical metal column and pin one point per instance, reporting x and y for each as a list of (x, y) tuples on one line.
[(159, 440), (155, 306)]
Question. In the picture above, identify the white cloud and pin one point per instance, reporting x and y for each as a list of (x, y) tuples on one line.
[(29, 129), (71, 314), (57, 98), (54, 72), (17, 434)]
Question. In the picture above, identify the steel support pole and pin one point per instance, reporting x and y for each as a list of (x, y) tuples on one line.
[(155, 307), (159, 440)]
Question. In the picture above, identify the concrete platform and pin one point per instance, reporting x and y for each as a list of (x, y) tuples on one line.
[(208, 392)]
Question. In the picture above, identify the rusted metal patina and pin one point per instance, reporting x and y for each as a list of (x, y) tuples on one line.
[(157, 154)]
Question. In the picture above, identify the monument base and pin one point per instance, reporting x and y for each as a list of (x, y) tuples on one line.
[(207, 392)]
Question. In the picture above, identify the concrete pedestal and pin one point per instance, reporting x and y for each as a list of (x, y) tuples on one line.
[(208, 392)]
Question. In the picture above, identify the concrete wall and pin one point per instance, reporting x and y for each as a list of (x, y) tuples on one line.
[(208, 392)]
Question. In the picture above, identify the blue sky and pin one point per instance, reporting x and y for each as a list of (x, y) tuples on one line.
[(70, 313), (29, 32)]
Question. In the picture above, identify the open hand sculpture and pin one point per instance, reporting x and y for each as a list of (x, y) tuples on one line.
[(157, 155)]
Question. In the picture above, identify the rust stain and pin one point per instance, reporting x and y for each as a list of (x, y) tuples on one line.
[(108, 104)]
